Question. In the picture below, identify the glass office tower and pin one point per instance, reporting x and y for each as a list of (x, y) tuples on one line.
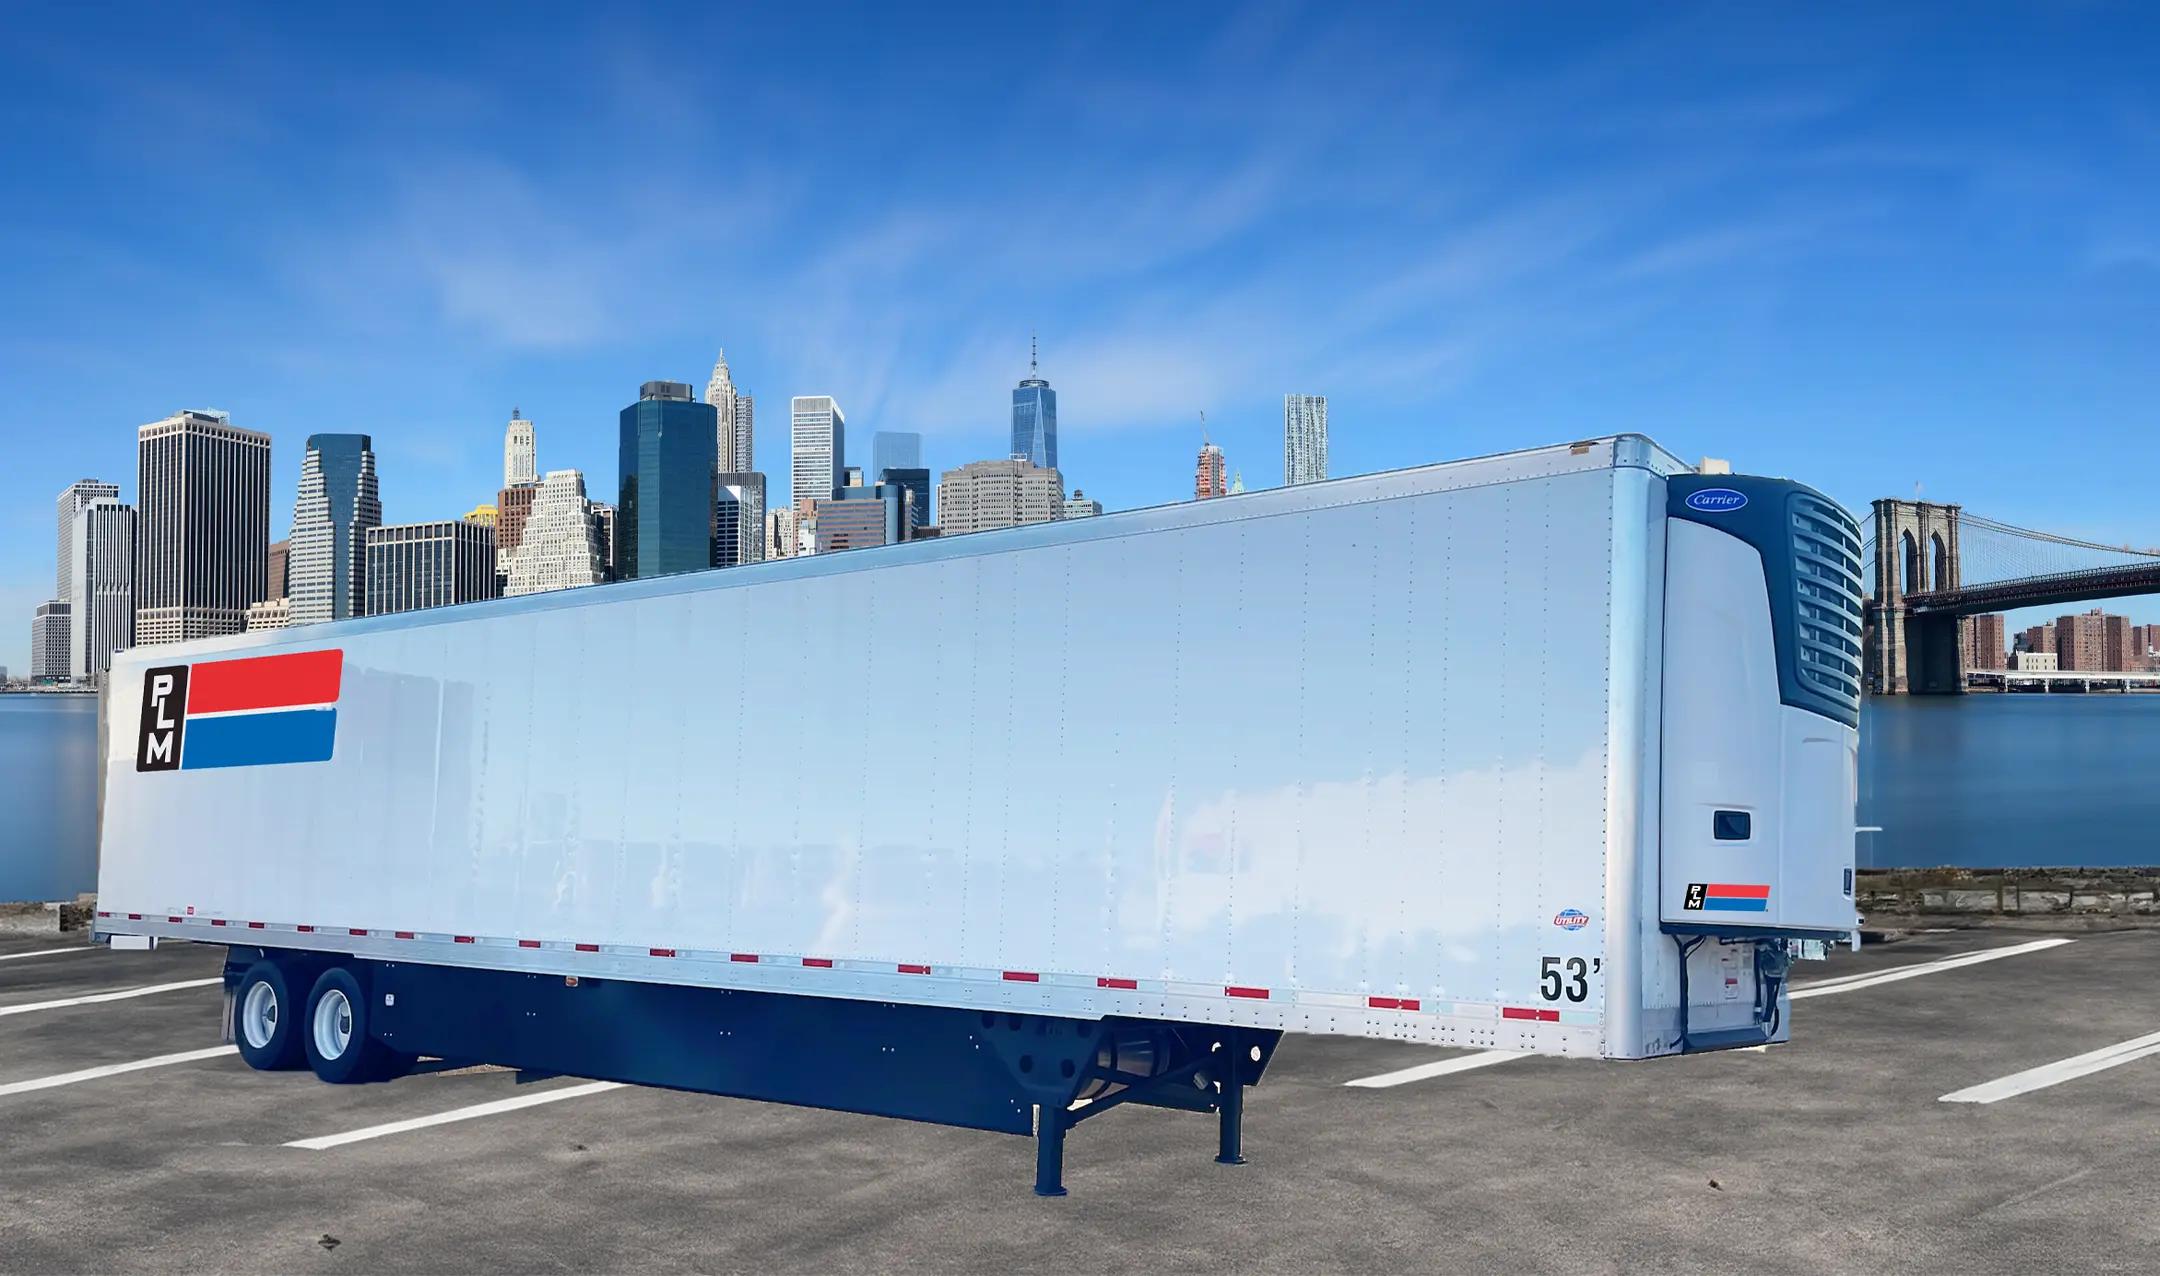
[(668, 455)]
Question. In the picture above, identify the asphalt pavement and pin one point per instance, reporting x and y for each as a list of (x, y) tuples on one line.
[(1999, 1114)]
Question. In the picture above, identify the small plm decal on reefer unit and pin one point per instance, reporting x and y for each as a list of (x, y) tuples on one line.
[(1727, 897)]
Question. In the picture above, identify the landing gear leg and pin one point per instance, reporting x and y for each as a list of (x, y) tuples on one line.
[(1049, 1151), (1230, 1148)]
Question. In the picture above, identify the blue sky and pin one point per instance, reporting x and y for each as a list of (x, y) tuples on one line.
[(1864, 249)]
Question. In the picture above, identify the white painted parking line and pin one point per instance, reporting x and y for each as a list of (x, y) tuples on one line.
[(1853, 983), (1438, 1068), (113, 1070), (1820, 988), (47, 952), (119, 995), (455, 1114), (2061, 1070)]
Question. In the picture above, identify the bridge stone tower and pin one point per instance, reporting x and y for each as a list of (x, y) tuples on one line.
[(1916, 552)]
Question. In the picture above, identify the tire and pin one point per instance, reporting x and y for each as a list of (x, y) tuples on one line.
[(266, 1019), (339, 1046)]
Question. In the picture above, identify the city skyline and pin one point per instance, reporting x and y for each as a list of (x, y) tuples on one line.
[(1583, 266)]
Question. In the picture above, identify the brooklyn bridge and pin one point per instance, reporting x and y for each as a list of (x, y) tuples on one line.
[(1929, 566)]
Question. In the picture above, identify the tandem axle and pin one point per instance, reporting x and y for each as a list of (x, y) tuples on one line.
[(353, 1019)]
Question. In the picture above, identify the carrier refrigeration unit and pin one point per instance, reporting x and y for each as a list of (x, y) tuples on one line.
[(1548, 751)]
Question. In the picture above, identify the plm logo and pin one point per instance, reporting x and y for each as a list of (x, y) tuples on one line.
[(256, 711), (1716, 500), (1571, 919), (164, 708)]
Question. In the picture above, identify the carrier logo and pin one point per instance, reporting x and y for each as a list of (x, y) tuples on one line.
[(1716, 500), (1727, 897), (257, 711), (1571, 919)]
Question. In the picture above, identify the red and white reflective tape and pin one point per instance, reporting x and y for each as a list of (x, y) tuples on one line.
[(1311, 998)]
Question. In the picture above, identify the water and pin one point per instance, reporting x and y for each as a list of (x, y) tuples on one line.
[(1979, 781), (2002, 781), (48, 796)]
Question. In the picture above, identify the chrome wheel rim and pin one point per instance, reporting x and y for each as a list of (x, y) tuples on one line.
[(259, 1015), (333, 1025)]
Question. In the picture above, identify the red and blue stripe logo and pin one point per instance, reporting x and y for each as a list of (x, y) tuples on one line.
[(253, 711), (1736, 898)]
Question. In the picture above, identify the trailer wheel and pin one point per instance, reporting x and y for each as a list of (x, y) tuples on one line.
[(266, 1022), (339, 1046)]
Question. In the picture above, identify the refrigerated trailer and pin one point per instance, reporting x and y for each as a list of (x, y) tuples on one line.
[(1549, 751)]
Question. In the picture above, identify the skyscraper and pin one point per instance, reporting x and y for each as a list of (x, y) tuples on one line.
[(416, 565), (916, 480), (279, 582), (990, 494), (1210, 478), (520, 455), (864, 516), (817, 436), (780, 533), (338, 502), (513, 507), (49, 630), (667, 461), (893, 450), (78, 494), (101, 587), (603, 525), (1304, 435), (1034, 418), (558, 549), (1079, 506), (202, 525), (738, 519), (521, 461), (735, 412)]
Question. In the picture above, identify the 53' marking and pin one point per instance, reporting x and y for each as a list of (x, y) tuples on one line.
[(1567, 977)]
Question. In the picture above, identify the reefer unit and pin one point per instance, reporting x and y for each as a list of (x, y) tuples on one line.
[(1546, 751)]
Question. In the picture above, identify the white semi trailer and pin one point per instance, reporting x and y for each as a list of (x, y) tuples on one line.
[(1548, 751)]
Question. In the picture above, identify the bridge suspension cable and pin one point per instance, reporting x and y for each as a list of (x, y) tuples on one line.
[(1991, 551), (1989, 524)]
